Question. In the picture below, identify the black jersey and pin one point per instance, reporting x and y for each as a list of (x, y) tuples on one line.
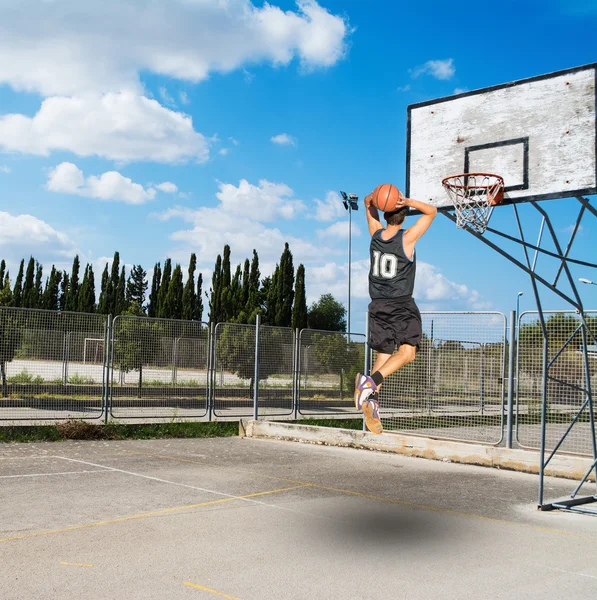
[(392, 273)]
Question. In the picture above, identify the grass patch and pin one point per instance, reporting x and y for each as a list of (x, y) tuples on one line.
[(83, 430)]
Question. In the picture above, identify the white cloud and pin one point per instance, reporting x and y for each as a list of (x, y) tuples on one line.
[(26, 234), (329, 209), (403, 88), (266, 202), (63, 51), (166, 97), (4, 169), (460, 90), (184, 98), (283, 139), (123, 127), (239, 220), (224, 151), (439, 69), (167, 186), (339, 230), (233, 141), (69, 179)]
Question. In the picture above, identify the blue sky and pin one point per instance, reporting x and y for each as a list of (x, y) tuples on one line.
[(176, 127)]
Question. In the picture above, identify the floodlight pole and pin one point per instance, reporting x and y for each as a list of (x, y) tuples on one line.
[(350, 202)]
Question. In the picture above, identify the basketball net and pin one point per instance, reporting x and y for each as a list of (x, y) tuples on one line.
[(474, 196)]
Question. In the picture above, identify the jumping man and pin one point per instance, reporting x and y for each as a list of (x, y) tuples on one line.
[(394, 319)]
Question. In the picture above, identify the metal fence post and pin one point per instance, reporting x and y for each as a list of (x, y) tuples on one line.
[(367, 365), (296, 382), (256, 373), (210, 370), (106, 369), (511, 369)]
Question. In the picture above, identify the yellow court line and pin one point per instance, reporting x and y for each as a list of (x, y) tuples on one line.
[(144, 515), (200, 587), (382, 498), (69, 564)]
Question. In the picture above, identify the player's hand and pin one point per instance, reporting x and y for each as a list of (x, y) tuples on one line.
[(401, 202), (367, 200)]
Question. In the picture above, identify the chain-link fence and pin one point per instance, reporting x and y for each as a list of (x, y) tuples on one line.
[(567, 374), (327, 367), (455, 386), (159, 368), (43, 368)]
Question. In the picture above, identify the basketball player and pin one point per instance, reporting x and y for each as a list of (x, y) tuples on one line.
[(394, 319)]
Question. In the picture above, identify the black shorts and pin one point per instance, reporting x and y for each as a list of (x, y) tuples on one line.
[(393, 323)]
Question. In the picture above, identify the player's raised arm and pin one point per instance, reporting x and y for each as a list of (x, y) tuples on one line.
[(421, 225), (372, 215)]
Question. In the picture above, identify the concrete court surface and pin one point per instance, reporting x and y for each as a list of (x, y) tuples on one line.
[(254, 519)]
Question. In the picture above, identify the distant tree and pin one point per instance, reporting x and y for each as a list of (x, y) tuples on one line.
[(285, 289), (113, 285), (270, 291), (28, 286), (17, 294), (2, 271), (6, 291), (37, 293), (137, 342), (86, 300), (50, 296), (189, 297), (72, 301), (136, 286), (327, 314), (246, 284), (103, 306), (164, 286), (215, 315), (152, 308), (173, 302), (63, 295), (198, 314), (299, 308), (11, 329)]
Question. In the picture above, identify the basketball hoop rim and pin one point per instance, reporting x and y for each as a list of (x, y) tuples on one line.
[(498, 180)]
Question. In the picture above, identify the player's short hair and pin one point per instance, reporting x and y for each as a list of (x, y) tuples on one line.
[(396, 217)]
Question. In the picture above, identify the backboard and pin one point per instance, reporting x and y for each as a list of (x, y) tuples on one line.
[(539, 134)]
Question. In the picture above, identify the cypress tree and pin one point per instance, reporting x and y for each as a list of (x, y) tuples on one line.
[(86, 300), (285, 289), (173, 301), (63, 294), (215, 300), (253, 301), (103, 306), (136, 286), (37, 293), (50, 297), (198, 314), (28, 285), (17, 294), (233, 297), (164, 287), (270, 290), (226, 267), (152, 309), (72, 302), (299, 308), (2, 273), (113, 284), (246, 283), (189, 299), (5, 291), (120, 304)]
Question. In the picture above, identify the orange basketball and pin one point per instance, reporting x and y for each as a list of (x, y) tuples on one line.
[(385, 197)]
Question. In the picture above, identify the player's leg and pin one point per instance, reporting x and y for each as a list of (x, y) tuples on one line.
[(406, 354)]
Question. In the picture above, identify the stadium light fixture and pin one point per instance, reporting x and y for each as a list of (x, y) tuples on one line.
[(583, 280)]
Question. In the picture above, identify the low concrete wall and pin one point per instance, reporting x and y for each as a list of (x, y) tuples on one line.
[(561, 465)]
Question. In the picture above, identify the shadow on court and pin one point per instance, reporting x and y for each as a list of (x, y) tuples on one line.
[(253, 520)]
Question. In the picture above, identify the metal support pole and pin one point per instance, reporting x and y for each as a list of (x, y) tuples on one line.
[(256, 373), (107, 368), (210, 371), (367, 365), (296, 379), (511, 370), (349, 266)]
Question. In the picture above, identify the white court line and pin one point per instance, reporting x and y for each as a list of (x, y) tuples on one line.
[(50, 474), (193, 487), (567, 572)]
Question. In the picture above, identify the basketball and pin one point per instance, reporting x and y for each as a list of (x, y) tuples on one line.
[(385, 197)]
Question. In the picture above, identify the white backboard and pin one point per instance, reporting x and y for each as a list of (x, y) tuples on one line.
[(539, 134)]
